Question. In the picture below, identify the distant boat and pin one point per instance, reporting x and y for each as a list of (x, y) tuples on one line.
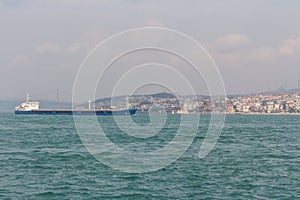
[(32, 108)]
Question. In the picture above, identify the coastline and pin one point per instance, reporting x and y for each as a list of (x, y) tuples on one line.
[(262, 113)]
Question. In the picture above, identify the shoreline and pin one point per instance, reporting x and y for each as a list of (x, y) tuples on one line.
[(262, 113)]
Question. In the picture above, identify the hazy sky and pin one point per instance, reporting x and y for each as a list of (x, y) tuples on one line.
[(256, 44)]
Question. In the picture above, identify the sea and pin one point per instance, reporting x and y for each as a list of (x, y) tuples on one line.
[(256, 157)]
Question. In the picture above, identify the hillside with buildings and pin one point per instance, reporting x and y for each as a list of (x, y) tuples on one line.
[(287, 102)]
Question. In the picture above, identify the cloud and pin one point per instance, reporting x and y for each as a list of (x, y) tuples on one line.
[(11, 3), (154, 22), (20, 60), (231, 42), (263, 55), (56, 48), (232, 59), (290, 46), (48, 48), (235, 50), (76, 47)]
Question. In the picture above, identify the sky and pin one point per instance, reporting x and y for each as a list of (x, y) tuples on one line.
[(255, 44)]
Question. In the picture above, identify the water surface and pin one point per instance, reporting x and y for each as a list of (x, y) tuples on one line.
[(257, 157)]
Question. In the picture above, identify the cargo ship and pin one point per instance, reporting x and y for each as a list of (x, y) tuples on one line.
[(32, 108)]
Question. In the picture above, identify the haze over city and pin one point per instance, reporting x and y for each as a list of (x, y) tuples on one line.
[(255, 44)]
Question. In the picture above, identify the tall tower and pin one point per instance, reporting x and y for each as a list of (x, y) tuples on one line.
[(127, 103), (298, 80), (90, 104), (27, 97), (57, 95)]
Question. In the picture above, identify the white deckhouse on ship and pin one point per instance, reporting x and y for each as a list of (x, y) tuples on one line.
[(28, 105)]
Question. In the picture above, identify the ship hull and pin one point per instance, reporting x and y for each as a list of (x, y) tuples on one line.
[(75, 112)]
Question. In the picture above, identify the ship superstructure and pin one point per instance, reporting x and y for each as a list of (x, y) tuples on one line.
[(28, 105)]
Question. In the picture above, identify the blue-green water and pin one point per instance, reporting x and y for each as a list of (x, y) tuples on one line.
[(257, 157)]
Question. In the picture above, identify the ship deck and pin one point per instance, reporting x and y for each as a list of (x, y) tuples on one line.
[(77, 112)]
